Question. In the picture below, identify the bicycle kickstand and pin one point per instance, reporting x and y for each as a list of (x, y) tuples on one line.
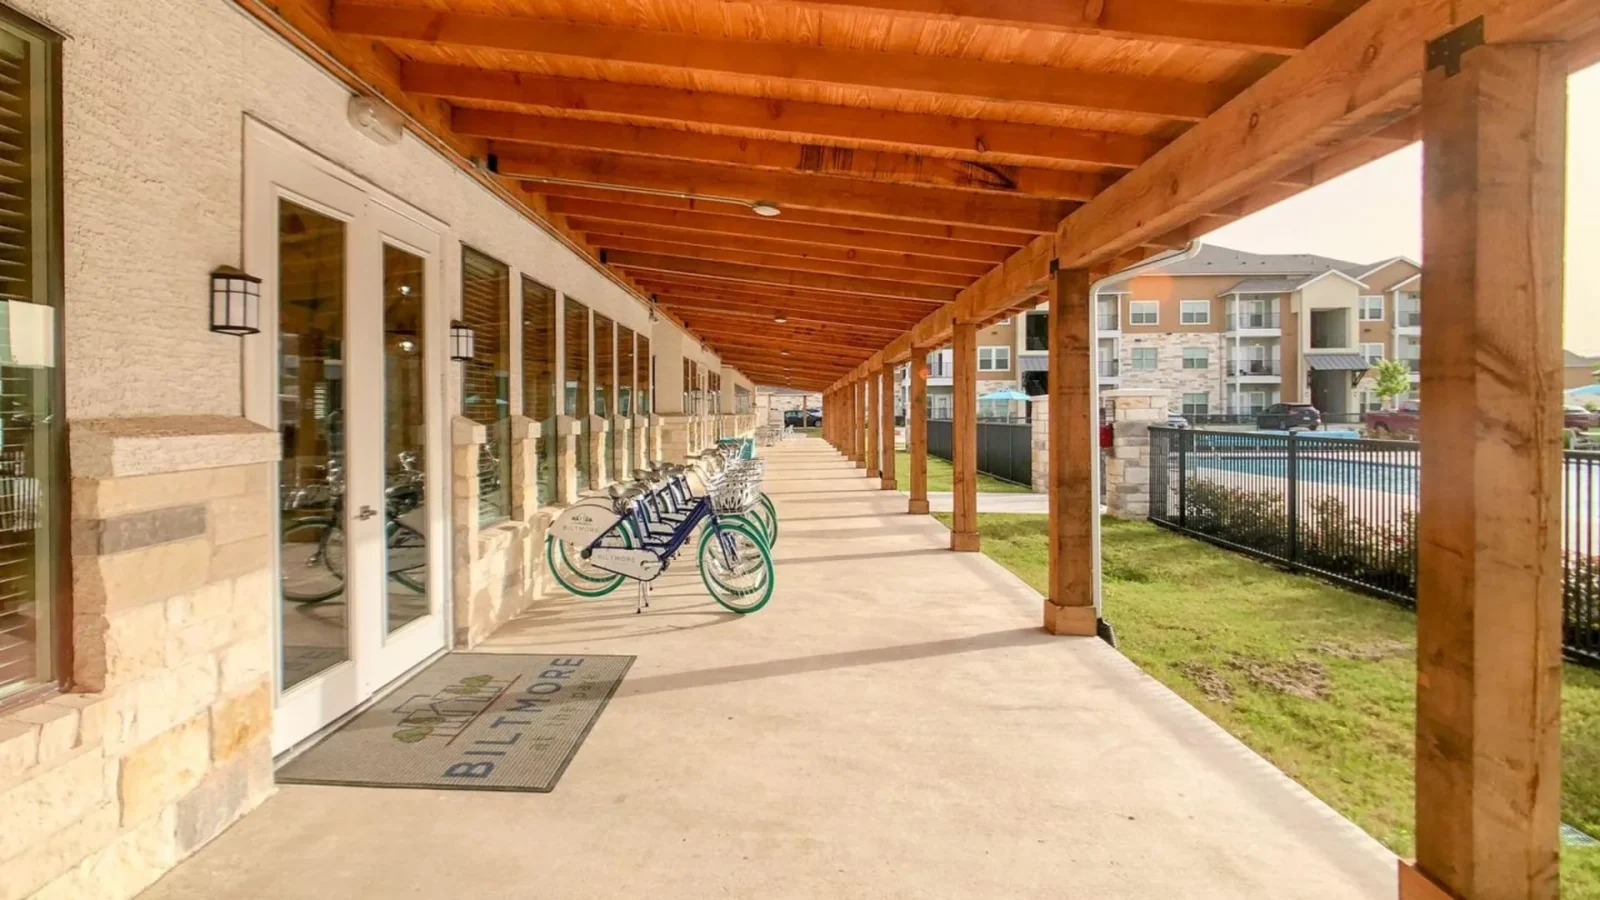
[(643, 601)]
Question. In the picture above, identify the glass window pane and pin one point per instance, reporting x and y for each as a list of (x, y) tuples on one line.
[(605, 380), (643, 375), (540, 399), (575, 327), (30, 439), (486, 378), (312, 556), (625, 389), (405, 438)]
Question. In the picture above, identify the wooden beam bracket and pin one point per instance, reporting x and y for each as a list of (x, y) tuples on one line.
[(1447, 49)]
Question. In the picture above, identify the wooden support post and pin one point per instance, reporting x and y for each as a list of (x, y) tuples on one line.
[(1489, 579), (874, 403), (964, 437), (886, 464), (852, 394), (858, 423), (1074, 550), (917, 432)]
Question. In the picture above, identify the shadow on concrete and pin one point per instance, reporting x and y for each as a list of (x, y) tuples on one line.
[(777, 668)]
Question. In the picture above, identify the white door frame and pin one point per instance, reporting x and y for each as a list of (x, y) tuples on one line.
[(275, 168)]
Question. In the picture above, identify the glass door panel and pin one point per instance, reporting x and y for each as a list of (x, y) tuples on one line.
[(405, 438), (313, 553)]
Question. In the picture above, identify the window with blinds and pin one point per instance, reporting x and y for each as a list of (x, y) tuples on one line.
[(30, 422), (575, 333), (486, 378), (643, 371), (539, 394), (625, 372)]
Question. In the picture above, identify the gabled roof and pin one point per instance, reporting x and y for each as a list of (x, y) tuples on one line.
[(1578, 359), (1380, 266), (1297, 267), (1285, 285)]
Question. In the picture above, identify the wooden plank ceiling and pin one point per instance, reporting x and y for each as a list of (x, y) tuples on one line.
[(910, 146)]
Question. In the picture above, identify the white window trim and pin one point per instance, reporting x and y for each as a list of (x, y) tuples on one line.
[(1183, 402), (1183, 313), (1206, 357), (997, 353), (1132, 314), (1134, 355), (1366, 346)]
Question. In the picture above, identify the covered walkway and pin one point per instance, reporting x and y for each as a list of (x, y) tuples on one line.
[(894, 724)]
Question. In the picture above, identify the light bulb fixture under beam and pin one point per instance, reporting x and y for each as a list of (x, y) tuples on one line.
[(765, 208)]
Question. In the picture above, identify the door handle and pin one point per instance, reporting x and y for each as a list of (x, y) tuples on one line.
[(366, 513)]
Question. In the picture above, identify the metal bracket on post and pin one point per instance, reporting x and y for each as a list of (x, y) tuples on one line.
[(1447, 49)]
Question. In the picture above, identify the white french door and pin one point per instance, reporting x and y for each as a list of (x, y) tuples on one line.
[(349, 370)]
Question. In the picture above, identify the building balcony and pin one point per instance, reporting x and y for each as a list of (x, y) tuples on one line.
[(1408, 320), (1107, 322), (1108, 369), (1253, 322), (1254, 368)]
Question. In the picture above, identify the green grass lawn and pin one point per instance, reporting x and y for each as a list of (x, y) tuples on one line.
[(1317, 679), (941, 478)]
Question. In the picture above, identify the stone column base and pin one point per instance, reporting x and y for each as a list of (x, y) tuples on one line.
[(1416, 886), (1079, 621), (964, 541), (917, 508)]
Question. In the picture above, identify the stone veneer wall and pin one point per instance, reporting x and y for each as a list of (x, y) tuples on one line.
[(1169, 375), (165, 739), (1132, 412)]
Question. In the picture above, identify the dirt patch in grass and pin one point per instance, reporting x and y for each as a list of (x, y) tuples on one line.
[(1370, 651), (1122, 570), (1303, 678), (1208, 680)]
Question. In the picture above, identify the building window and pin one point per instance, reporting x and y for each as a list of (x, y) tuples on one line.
[(1196, 404), (32, 450), (575, 369), (939, 406), (1144, 357), (1372, 309), (1196, 358), (643, 369), (539, 395), (1252, 402), (1036, 332), (994, 359), (1370, 401), (1144, 312), (1195, 312), (1373, 353), (1408, 309), (486, 378)]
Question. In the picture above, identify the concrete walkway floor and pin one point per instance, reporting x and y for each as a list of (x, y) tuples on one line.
[(893, 725)]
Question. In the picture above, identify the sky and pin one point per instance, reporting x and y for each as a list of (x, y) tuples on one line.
[(1375, 212)]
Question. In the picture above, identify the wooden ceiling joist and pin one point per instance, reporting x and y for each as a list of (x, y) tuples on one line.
[(817, 192), (1273, 29), (761, 315), (600, 231), (737, 272), (615, 242), (888, 307), (977, 139), (990, 238), (1164, 98), (748, 227)]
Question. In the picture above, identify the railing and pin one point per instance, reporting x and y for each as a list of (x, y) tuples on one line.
[(1346, 509), (1108, 368), (1005, 449), (1242, 418), (1254, 367), (1245, 321), (1406, 319), (1106, 322)]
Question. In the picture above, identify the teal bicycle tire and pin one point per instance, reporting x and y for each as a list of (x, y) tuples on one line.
[(763, 591), (596, 587), (772, 519)]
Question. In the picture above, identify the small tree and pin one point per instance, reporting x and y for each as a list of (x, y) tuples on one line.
[(1393, 379)]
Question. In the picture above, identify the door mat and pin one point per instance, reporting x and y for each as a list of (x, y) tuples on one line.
[(473, 722)]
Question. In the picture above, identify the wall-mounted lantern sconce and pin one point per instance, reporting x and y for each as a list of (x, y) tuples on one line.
[(462, 340), (235, 302)]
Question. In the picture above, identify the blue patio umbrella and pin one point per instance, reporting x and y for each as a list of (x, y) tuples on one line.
[(1588, 390), (1006, 395)]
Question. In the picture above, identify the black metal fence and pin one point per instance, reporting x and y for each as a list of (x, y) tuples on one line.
[(1346, 509), (1005, 449)]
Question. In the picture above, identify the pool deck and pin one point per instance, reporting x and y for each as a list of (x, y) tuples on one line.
[(893, 725)]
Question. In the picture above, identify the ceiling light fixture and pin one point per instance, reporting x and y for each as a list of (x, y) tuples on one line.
[(780, 319), (765, 208)]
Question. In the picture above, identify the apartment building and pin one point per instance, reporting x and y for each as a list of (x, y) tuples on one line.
[(997, 368), (1233, 332)]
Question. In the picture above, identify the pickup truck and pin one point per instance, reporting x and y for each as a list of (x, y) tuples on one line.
[(1401, 421)]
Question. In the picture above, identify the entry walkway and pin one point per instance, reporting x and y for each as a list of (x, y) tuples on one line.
[(894, 724)]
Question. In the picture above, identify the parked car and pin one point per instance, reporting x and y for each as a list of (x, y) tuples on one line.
[(1289, 417), (802, 418), (1176, 420), (1579, 418), (1401, 421)]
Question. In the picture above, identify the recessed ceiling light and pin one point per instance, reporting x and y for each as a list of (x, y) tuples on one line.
[(765, 208), (780, 318)]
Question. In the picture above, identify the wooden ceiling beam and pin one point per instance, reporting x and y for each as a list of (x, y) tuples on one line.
[(1262, 28), (717, 329), (1166, 98), (816, 192), (780, 156), (758, 315), (608, 239), (862, 256), (990, 238), (890, 307), (975, 139), (736, 272), (775, 231)]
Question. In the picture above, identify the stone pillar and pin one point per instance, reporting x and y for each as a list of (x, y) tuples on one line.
[(1128, 470), (622, 463), (599, 466), (1041, 445), (641, 442), (466, 437), (566, 460), (525, 500), (675, 439)]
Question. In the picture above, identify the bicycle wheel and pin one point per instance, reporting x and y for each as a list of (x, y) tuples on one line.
[(736, 568), (750, 520), (771, 519), (408, 557), (312, 560), (576, 574)]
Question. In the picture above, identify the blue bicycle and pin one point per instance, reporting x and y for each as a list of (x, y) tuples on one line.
[(636, 531)]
